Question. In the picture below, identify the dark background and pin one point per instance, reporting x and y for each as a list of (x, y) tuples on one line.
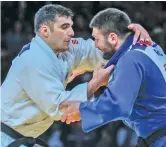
[(17, 30)]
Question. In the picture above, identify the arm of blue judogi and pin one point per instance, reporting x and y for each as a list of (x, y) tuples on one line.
[(117, 101)]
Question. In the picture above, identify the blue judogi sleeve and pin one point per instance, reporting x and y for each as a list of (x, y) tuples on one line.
[(117, 101)]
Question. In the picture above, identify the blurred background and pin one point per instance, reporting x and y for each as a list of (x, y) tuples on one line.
[(17, 30)]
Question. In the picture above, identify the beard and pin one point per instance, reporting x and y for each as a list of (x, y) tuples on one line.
[(109, 51), (65, 49), (108, 55)]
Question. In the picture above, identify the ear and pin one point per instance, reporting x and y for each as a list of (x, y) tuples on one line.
[(112, 38), (44, 30)]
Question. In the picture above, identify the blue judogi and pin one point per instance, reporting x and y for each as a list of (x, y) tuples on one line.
[(136, 92)]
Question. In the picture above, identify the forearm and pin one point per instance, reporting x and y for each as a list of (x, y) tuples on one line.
[(92, 87)]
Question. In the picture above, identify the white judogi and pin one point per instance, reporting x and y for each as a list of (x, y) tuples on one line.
[(35, 84)]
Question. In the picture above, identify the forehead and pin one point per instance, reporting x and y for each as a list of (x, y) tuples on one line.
[(60, 20), (96, 32)]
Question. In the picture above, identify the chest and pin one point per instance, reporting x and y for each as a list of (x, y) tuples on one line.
[(65, 65)]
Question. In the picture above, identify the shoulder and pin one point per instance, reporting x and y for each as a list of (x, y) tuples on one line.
[(32, 57), (80, 41), (133, 56), (142, 58), (144, 53)]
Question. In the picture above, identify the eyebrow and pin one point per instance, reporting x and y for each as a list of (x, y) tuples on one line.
[(68, 24)]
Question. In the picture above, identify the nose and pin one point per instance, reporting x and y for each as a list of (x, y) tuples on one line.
[(71, 32)]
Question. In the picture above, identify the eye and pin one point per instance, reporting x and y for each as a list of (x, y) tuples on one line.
[(65, 27)]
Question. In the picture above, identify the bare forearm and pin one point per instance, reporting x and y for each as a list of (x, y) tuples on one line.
[(92, 86)]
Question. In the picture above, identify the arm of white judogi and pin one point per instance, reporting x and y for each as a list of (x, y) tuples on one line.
[(87, 57), (43, 85), (117, 101)]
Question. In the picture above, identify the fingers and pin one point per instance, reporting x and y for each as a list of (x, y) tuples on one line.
[(141, 33), (71, 106), (67, 104), (131, 26), (64, 117), (71, 78), (137, 29), (70, 109), (109, 68), (71, 113), (134, 28), (136, 36), (75, 74), (70, 117), (145, 38), (141, 41), (75, 116), (148, 40), (64, 105)]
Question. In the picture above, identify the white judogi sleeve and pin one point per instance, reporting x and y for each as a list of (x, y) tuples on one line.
[(44, 86), (43, 81), (87, 57), (35, 85)]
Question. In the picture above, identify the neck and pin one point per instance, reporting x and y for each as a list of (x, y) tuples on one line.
[(46, 41), (121, 41)]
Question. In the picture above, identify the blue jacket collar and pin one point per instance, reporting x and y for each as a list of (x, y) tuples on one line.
[(124, 47)]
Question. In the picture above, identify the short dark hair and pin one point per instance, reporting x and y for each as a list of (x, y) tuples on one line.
[(47, 15), (111, 20)]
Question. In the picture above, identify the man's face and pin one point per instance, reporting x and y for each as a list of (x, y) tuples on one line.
[(101, 41), (59, 39)]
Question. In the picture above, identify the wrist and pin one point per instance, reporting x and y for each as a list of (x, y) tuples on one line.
[(92, 86)]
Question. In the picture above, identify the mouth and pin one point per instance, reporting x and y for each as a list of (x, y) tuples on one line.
[(67, 42)]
